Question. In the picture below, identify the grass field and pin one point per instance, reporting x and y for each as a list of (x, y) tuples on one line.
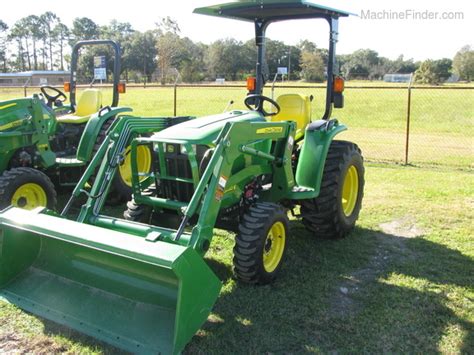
[(403, 282), (442, 120)]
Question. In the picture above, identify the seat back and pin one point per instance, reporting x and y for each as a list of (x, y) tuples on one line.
[(89, 103), (294, 107)]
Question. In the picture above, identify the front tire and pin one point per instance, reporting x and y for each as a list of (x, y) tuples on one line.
[(137, 213), (260, 244), (26, 188), (334, 212)]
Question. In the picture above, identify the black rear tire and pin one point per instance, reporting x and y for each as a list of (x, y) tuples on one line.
[(260, 244), (13, 184), (328, 216)]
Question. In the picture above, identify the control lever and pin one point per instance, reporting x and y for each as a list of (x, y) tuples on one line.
[(229, 105)]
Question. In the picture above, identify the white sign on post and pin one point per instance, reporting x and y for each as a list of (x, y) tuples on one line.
[(100, 74), (99, 62), (282, 70)]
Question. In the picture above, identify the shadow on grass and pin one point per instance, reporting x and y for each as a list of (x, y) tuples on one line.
[(370, 292), (223, 271), (52, 328)]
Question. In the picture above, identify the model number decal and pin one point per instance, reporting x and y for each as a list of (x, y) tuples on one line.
[(269, 130)]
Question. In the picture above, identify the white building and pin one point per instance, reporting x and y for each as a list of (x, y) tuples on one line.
[(34, 78)]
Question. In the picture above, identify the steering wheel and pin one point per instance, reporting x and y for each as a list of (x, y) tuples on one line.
[(61, 96), (255, 102)]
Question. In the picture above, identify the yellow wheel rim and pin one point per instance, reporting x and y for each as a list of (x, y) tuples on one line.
[(143, 164), (350, 190), (29, 196), (274, 246)]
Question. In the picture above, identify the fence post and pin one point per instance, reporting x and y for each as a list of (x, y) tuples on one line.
[(25, 87), (175, 99), (407, 138)]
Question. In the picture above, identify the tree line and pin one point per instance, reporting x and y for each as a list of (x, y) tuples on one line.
[(43, 42)]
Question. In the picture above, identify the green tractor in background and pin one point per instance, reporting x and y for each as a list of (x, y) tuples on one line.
[(45, 144), (141, 283)]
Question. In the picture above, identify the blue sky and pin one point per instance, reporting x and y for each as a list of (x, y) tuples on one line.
[(414, 38)]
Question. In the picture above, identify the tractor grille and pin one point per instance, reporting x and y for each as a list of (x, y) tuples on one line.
[(178, 165)]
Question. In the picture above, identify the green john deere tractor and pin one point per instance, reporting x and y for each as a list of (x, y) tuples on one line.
[(141, 283), (44, 143)]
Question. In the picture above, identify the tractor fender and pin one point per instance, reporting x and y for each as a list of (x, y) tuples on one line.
[(93, 127), (314, 151)]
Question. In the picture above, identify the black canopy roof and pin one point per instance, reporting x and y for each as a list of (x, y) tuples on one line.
[(270, 10)]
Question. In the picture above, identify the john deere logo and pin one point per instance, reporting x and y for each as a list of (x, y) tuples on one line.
[(170, 148), (269, 130)]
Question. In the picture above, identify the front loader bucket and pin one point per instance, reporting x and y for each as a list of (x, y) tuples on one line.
[(141, 296)]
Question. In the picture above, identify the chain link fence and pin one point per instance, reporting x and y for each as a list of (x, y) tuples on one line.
[(418, 125)]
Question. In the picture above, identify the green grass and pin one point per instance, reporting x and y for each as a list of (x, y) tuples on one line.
[(441, 120), (406, 271), (403, 282)]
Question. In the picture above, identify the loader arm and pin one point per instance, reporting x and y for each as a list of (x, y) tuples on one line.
[(108, 159), (92, 129), (138, 293), (218, 179)]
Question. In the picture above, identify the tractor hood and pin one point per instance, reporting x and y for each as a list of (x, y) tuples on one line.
[(14, 114), (204, 130)]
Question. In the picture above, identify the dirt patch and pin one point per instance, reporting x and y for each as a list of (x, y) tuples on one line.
[(390, 247), (9, 343), (404, 227), (13, 344), (343, 303)]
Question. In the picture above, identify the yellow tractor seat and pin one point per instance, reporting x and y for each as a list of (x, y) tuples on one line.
[(294, 107), (89, 103)]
